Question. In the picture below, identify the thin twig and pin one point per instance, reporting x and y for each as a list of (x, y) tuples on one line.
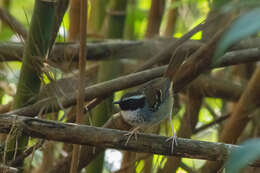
[(216, 121), (14, 24), (27, 152), (210, 109)]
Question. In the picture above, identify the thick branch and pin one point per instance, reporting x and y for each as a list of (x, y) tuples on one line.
[(110, 138), (52, 104), (210, 86), (96, 51), (68, 52)]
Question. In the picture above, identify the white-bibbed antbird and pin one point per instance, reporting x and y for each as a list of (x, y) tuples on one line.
[(149, 105)]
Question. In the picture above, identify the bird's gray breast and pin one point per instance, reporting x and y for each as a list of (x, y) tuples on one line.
[(133, 117)]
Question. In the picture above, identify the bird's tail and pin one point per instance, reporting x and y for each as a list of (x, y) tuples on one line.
[(173, 67)]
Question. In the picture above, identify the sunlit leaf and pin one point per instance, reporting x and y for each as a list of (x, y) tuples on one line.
[(139, 166), (244, 26), (238, 159)]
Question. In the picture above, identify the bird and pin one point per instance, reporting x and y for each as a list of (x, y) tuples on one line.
[(148, 106)]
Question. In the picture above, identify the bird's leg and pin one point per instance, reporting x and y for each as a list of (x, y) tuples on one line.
[(131, 133), (173, 138)]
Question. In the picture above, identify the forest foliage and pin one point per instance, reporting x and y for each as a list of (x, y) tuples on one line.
[(213, 44)]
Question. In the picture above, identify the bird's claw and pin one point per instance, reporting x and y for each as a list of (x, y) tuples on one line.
[(130, 134), (173, 140)]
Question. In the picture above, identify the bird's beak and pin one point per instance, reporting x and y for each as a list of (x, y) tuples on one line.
[(117, 102)]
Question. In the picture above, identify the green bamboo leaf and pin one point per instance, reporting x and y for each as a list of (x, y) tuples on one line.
[(249, 152), (244, 26)]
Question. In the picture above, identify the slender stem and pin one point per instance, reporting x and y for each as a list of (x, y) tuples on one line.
[(80, 97)]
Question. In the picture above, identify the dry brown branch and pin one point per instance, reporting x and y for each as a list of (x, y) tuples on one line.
[(154, 18), (52, 104), (230, 58), (74, 15), (110, 138), (171, 19), (81, 81), (168, 50), (208, 86), (90, 153), (198, 62), (68, 52)]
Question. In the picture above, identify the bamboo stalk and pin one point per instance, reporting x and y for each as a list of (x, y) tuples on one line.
[(29, 83)]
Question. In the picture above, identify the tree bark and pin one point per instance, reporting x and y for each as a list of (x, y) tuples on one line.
[(109, 138)]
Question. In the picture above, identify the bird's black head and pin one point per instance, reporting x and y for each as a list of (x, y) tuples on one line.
[(131, 101)]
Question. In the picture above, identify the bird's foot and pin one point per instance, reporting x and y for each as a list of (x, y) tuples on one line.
[(173, 140), (132, 133)]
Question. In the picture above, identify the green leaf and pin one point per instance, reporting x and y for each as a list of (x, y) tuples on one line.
[(239, 158), (244, 26)]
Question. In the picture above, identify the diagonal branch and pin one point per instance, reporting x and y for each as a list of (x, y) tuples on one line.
[(171, 47), (51, 104), (13, 23), (204, 84), (105, 88)]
